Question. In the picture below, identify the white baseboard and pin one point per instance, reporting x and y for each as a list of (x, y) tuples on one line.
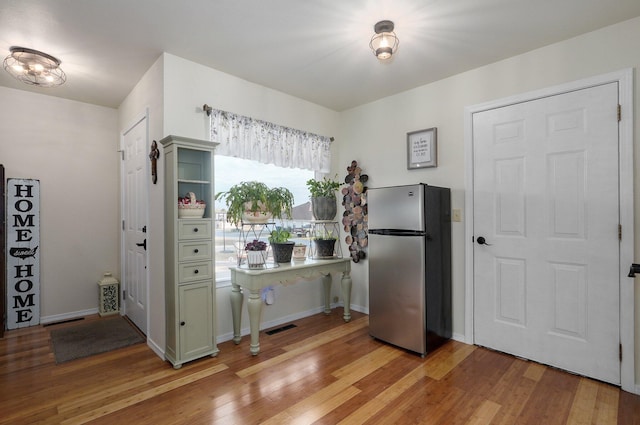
[(156, 348), (270, 324), (67, 316), (359, 309), (459, 337), (282, 320)]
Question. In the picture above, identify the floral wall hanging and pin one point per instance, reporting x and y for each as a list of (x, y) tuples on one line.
[(354, 218)]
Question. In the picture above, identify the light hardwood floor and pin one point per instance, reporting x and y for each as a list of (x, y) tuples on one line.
[(322, 371)]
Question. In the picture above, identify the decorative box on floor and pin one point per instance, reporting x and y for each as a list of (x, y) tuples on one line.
[(109, 290)]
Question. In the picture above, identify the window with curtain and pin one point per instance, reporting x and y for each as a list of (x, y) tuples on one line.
[(251, 149)]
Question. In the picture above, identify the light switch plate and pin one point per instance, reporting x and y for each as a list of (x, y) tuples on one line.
[(456, 214)]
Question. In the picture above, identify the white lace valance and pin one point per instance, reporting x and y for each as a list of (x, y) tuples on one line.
[(248, 138)]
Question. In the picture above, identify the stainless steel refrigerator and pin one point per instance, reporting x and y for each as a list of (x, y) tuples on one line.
[(410, 266)]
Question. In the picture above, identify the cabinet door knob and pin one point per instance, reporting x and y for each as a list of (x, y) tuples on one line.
[(195, 271), (195, 229), (182, 323), (196, 251)]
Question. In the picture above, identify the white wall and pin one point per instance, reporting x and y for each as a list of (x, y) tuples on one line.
[(174, 91), (147, 97), (187, 87), (71, 147), (377, 131)]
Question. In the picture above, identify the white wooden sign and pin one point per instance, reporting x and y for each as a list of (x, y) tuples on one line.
[(23, 255)]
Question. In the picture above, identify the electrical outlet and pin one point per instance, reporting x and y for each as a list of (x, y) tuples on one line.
[(456, 214)]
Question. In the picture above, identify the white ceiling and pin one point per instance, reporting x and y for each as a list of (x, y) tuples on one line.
[(313, 49)]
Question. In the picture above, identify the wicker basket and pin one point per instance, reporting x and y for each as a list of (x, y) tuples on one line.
[(191, 211)]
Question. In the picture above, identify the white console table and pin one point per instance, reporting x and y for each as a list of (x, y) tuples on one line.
[(253, 280)]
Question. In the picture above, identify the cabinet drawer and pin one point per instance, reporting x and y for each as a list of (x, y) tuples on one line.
[(194, 229), (190, 272), (193, 251)]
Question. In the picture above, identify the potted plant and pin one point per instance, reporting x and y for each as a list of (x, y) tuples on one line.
[(281, 245), (323, 198), (255, 202), (256, 253), (325, 244)]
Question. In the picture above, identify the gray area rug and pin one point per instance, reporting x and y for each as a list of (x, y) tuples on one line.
[(97, 336)]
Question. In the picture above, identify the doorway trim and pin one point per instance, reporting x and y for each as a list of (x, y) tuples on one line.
[(144, 116), (624, 78)]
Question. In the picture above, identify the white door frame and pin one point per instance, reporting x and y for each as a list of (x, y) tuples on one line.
[(142, 116), (624, 78)]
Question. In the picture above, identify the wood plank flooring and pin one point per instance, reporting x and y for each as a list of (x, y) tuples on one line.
[(323, 371)]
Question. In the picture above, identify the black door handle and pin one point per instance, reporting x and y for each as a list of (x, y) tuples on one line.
[(143, 244), (482, 241)]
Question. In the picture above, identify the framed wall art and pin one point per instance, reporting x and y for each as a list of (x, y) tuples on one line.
[(422, 149)]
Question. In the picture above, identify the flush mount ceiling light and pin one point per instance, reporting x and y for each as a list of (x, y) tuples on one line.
[(34, 67), (385, 42)]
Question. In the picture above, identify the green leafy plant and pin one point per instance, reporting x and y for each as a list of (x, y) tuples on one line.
[(258, 197), (325, 235), (279, 235), (323, 188)]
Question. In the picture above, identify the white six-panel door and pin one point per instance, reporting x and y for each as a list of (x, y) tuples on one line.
[(545, 199), (135, 223)]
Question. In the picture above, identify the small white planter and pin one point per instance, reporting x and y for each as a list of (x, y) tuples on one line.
[(256, 259), (299, 252)]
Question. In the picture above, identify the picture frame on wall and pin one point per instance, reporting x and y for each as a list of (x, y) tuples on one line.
[(422, 149)]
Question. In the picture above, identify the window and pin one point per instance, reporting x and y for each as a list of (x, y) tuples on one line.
[(229, 171)]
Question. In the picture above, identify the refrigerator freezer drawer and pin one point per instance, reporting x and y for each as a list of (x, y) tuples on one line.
[(399, 207)]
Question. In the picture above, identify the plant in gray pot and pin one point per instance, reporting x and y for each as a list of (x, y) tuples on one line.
[(324, 245), (281, 246), (323, 198)]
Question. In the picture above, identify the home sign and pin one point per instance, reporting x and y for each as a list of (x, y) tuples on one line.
[(23, 256)]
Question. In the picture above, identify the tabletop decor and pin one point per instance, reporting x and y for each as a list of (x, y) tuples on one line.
[(255, 202), (190, 207), (256, 253), (323, 198)]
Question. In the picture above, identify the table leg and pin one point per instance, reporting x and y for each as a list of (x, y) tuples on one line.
[(236, 311), (326, 282), (254, 306), (346, 295)]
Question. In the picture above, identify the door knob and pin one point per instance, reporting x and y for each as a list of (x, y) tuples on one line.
[(482, 241), (143, 244)]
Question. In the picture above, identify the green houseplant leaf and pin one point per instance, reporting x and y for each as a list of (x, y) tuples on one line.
[(258, 196)]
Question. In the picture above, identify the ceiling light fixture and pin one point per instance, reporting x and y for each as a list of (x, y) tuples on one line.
[(34, 67), (385, 42)]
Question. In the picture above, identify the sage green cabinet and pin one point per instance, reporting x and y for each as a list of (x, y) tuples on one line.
[(190, 291)]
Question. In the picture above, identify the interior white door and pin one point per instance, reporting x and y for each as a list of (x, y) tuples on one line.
[(545, 199), (135, 280)]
